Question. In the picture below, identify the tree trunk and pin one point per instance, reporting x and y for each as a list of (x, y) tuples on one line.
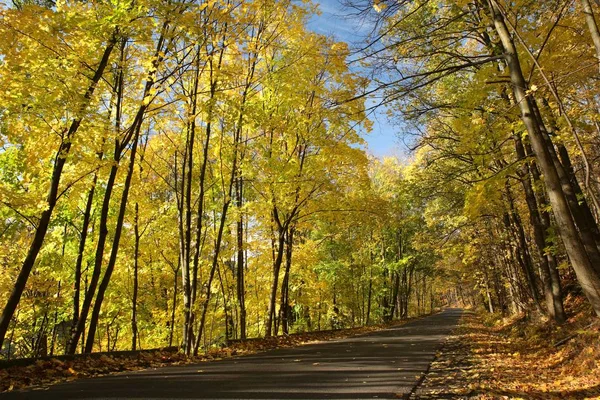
[(82, 240), (103, 228), (275, 283), (89, 344), (99, 256), (213, 268), (553, 298), (174, 298), (136, 257), (285, 284), (241, 287), (547, 224), (586, 273), (369, 294), (226, 203), (592, 26), (522, 252), (52, 197)]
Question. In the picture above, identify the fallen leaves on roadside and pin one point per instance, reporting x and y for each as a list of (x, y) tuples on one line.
[(43, 373), (516, 360)]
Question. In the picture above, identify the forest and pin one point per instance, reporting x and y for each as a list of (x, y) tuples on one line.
[(188, 172)]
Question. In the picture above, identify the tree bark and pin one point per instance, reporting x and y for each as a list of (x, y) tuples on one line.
[(592, 26), (134, 297), (78, 263), (585, 271), (241, 287), (285, 284), (275, 284), (553, 297), (52, 197), (522, 248), (103, 228), (89, 344)]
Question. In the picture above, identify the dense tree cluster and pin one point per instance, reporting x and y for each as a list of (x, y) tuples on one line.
[(504, 99), (180, 173), (184, 172)]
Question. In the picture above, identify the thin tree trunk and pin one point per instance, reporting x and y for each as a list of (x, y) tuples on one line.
[(226, 203), (186, 187), (99, 256), (82, 240), (369, 295), (174, 307), (52, 197), (241, 287), (134, 297), (89, 344), (103, 228), (53, 341), (215, 262), (522, 252), (225, 304), (213, 70)]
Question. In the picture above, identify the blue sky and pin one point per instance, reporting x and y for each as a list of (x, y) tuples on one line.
[(335, 21)]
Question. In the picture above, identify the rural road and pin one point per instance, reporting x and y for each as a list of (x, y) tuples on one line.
[(385, 365)]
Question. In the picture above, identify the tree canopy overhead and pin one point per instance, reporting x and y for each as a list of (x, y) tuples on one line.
[(181, 173)]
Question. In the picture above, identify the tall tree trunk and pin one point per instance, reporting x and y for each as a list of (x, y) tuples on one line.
[(186, 187), (586, 273), (241, 287), (80, 252), (89, 344), (369, 294), (213, 268), (55, 323), (275, 284), (134, 297), (104, 210), (592, 26), (522, 253), (186, 222), (99, 256), (395, 294), (285, 284), (225, 304), (226, 203), (547, 224), (213, 79), (174, 307), (52, 196), (553, 297)]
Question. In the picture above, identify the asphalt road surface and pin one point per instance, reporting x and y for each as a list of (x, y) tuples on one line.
[(386, 364)]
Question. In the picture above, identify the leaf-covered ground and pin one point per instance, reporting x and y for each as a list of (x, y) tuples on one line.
[(46, 372), (517, 359)]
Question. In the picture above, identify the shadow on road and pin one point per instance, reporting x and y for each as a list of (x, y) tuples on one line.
[(386, 365)]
